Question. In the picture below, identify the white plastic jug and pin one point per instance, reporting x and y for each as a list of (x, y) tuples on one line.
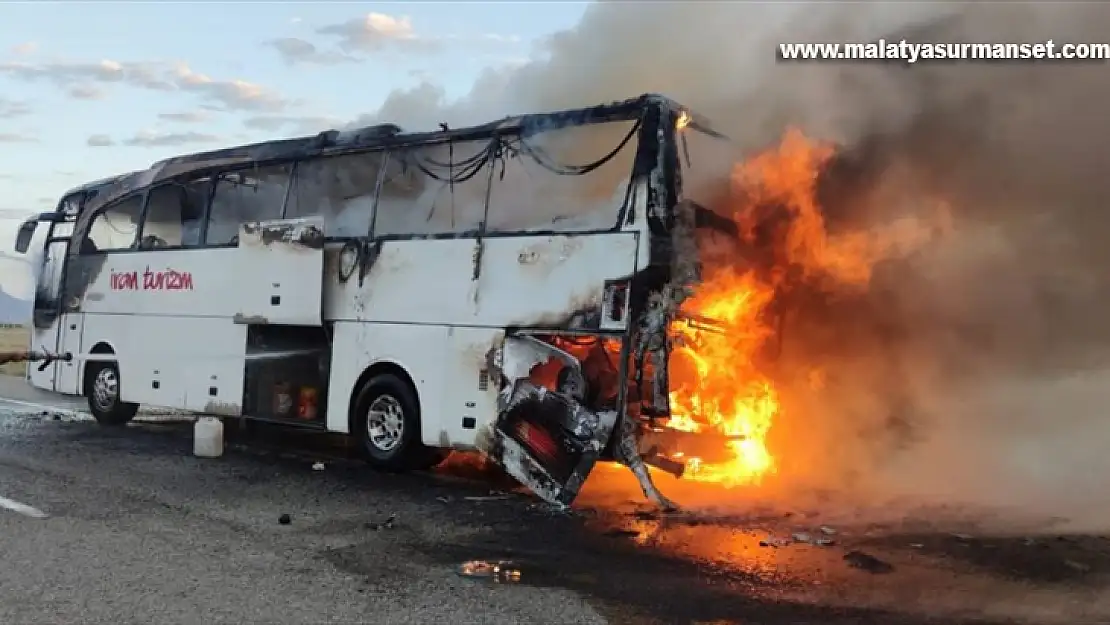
[(208, 438)]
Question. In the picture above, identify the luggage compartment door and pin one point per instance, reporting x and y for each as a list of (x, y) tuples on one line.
[(282, 272)]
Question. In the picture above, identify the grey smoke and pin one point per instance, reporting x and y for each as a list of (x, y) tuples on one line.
[(972, 370)]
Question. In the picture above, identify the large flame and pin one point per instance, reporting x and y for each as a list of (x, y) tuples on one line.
[(716, 378)]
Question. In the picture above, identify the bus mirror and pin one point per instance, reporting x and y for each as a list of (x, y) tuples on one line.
[(23, 238)]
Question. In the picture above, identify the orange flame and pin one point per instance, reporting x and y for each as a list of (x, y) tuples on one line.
[(716, 382)]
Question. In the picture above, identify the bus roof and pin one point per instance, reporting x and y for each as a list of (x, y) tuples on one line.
[(380, 136), (96, 184)]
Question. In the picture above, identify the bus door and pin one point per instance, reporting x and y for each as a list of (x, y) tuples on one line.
[(281, 264), (56, 326)]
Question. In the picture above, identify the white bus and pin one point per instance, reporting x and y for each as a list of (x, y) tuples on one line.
[(506, 287)]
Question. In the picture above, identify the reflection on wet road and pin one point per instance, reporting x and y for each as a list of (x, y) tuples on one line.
[(298, 502)]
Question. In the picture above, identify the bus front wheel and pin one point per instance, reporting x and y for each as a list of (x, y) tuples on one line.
[(386, 422), (103, 393)]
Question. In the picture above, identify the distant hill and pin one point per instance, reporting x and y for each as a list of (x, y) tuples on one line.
[(13, 309)]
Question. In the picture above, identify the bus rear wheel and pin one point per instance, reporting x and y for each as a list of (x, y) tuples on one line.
[(103, 392), (386, 422)]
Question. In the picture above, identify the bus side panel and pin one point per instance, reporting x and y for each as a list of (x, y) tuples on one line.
[(418, 349), (470, 391), (174, 362), (179, 283), (215, 377), (523, 280), (135, 339)]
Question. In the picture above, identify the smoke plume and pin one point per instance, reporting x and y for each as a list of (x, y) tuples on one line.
[(972, 370)]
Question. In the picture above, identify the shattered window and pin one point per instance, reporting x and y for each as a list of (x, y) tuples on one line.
[(114, 227), (175, 214), (341, 188), (569, 179), (246, 196), (436, 189)]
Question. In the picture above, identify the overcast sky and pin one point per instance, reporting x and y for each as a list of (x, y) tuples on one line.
[(92, 89)]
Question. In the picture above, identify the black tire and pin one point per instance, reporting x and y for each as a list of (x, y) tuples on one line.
[(104, 402), (395, 407)]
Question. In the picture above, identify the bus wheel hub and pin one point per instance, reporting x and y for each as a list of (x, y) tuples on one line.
[(385, 423)]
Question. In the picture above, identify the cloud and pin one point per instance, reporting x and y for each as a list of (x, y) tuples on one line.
[(23, 49), (294, 51), (186, 117), (99, 141), (86, 92), (147, 139), (300, 125), (232, 94), (15, 137), (156, 76), (13, 108), (377, 31)]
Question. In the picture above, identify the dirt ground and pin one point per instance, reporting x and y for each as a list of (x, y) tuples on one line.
[(14, 338)]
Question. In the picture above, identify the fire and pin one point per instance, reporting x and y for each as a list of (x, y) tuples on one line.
[(716, 378), (723, 388)]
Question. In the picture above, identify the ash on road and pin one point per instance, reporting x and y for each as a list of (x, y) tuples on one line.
[(135, 529)]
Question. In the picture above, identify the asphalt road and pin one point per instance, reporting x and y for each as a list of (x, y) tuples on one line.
[(126, 526)]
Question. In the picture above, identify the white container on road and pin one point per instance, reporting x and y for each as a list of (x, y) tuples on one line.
[(208, 438)]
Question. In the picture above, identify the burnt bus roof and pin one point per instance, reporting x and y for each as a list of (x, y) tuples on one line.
[(381, 136), (96, 184)]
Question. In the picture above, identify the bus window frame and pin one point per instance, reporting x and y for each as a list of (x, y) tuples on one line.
[(179, 181), (216, 174), (81, 234), (386, 153)]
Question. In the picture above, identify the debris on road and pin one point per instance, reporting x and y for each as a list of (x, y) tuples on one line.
[(867, 562), (1077, 566), (285, 519), (774, 541), (486, 497), (501, 571), (828, 531), (384, 525), (319, 466)]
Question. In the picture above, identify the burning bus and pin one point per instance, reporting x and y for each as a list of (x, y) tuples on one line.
[(514, 288)]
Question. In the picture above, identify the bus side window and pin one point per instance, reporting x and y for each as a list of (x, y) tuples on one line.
[(341, 188), (246, 196), (174, 215), (114, 227)]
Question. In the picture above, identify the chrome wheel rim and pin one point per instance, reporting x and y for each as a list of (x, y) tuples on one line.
[(105, 389), (385, 423)]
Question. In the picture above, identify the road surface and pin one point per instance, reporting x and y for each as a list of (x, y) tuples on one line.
[(126, 526)]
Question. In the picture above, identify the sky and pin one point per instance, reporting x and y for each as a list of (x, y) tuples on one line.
[(91, 89)]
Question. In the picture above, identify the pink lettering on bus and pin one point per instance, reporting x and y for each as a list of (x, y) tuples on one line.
[(168, 280), (125, 281)]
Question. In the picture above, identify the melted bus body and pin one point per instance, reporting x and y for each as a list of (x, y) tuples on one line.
[(504, 287)]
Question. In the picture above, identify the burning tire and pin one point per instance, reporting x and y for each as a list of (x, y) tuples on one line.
[(103, 392), (386, 421)]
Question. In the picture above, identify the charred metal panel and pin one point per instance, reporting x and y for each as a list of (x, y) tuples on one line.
[(294, 233), (549, 442), (280, 272)]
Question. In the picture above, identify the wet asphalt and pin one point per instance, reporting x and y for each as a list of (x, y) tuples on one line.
[(137, 530)]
